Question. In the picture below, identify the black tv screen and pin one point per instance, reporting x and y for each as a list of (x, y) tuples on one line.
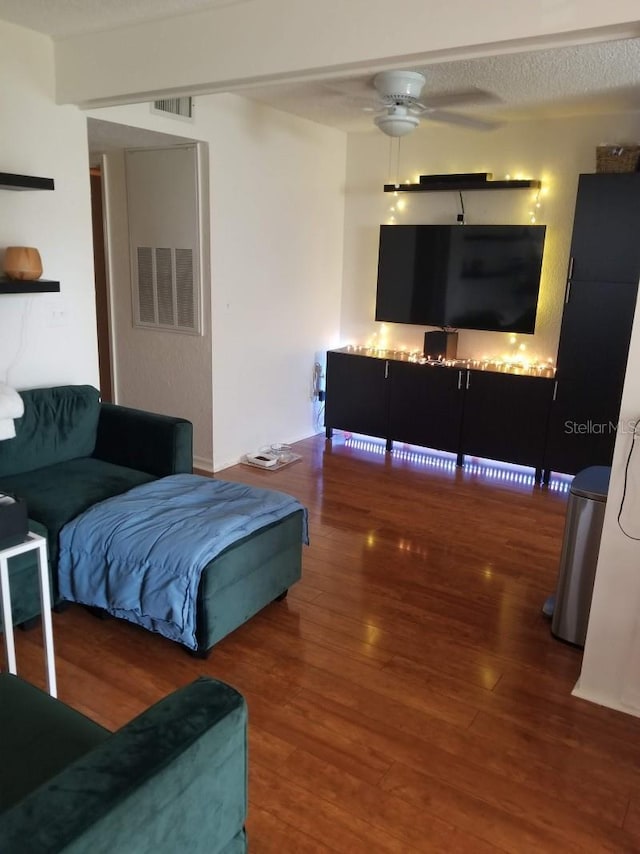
[(460, 276)]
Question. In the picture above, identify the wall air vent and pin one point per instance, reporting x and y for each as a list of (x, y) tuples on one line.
[(146, 289), (166, 289), (179, 107)]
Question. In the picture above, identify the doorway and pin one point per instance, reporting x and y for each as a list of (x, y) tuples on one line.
[(153, 369)]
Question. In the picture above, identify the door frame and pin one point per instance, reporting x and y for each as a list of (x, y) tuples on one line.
[(104, 326)]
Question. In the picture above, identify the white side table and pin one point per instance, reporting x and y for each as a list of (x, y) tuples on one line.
[(34, 542)]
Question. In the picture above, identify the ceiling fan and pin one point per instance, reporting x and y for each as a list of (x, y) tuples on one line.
[(400, 106)]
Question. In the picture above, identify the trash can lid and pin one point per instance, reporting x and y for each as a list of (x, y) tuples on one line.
[(592, 483)]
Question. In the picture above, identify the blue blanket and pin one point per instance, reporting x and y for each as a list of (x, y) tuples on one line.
[(140, 555)]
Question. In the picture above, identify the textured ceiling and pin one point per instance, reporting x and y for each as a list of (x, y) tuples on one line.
[(594, 78), (60, 18)]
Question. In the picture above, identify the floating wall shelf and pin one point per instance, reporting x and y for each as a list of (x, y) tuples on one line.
[(455, 183), (9, 181), (39, 286)]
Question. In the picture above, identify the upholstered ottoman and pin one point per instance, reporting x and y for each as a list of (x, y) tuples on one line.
[(189, 557), (246, 577)]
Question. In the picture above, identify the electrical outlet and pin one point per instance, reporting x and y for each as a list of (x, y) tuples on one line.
[(56, 314)]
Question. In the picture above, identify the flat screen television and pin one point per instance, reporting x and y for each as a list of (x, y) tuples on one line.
[(460, 276)]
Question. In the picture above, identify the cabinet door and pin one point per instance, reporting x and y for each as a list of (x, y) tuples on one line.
[(595, 333), (505, 417), (605, 245), (592, 358), (426, 405), (357, 394), (582, 427)]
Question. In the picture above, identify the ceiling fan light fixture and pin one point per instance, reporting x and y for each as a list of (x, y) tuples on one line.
[(397, 124), (399, 86)]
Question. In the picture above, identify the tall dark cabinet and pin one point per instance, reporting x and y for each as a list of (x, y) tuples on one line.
[(596, 324)]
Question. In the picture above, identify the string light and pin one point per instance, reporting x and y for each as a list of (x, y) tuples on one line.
[(446, 463), (518, 361), (535, 207)]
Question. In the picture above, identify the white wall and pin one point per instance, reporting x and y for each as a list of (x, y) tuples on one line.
[(242, 42), (277, 214), (611, 664), (277, 211), (41, 138), (556, 151)]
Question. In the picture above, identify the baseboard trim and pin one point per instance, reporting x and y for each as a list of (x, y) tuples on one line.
[(204, 464), (604, 700)]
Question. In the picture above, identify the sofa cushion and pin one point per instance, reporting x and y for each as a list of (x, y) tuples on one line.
[(56, 494), (58, 424), (42, 736)]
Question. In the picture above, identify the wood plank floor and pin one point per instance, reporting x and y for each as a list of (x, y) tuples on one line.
[(408, 695)]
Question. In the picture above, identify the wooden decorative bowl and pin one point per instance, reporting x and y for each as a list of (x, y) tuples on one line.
[(23, 263)]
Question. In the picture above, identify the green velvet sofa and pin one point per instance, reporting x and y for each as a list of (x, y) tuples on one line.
[(172, 780), (71, 451)]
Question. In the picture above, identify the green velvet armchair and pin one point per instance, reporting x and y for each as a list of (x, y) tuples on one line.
[(172, 780)]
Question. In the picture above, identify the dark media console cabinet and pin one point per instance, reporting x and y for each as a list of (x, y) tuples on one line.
[(561, 424), (482, 413)]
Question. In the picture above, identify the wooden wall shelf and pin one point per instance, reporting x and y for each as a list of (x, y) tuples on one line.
[(9, 181), (40, 286), (456, 183)]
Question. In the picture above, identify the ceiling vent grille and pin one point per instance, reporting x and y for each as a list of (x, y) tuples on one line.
[(181, 107)]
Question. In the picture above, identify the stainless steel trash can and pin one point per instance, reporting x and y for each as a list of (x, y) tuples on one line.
[(580, 547)]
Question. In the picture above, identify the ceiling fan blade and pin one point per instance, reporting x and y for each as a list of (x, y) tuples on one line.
[(358, 99), (353, 88), (457, 119), (462, 96)]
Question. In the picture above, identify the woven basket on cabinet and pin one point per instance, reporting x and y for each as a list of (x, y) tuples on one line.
[(617, 158)]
